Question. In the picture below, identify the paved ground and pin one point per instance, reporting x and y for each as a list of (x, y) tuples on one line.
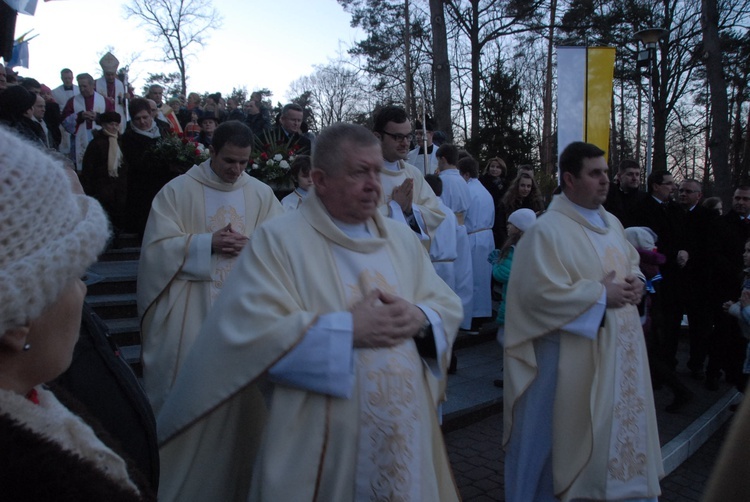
[(477, 459), (473, 429)]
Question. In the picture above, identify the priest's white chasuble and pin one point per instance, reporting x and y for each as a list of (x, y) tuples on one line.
[(578, 407), (178, 276)]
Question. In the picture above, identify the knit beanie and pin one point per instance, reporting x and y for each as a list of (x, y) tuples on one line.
[(48, 234), (523, 219), (641, 238)]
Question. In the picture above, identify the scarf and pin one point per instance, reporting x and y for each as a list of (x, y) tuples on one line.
[(114, 156), (153, 132)]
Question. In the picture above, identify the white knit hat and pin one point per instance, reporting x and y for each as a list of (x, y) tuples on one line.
[(523, 219), (641, 238), (48, 234)]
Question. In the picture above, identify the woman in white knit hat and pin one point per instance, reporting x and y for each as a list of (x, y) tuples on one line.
[(519, 222), (48, 237)]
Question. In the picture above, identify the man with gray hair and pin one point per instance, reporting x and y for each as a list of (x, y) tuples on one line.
[(340, 311), (288, 130), (79, 116)]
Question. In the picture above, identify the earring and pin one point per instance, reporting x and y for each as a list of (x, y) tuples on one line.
[(26, 347)]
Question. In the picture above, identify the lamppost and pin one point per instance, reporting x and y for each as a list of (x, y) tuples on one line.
[(647, 57)]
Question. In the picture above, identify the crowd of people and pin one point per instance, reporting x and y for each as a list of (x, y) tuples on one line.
[(332, 313), (110, 134)]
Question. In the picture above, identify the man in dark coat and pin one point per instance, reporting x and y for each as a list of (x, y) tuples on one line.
[(661, 214), (625, 194), (288, 129), (728, 347), (696, 277)]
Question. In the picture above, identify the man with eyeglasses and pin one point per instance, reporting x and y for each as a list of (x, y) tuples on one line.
[(696, 277), (661, 214), (405, 196)]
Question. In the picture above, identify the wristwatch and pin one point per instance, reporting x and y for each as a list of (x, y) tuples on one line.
[(424, 329)]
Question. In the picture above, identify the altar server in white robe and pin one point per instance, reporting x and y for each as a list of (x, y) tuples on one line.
[(198, 224), (341, 311), (62, 94), (405, 196), (426, 164), (457, 197), (480, 217), (578, 406)]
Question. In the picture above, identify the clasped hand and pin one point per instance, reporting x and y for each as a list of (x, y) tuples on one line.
[(227, 241), (404, 194), (383, 320), (620, 293)]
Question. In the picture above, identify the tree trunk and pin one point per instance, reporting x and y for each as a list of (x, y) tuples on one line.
[(441, 70), (409, 105), (719, 145), (548, 156), (736, 164), (476, 84)]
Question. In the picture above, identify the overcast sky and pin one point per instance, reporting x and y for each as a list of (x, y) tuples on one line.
[(261, 43)]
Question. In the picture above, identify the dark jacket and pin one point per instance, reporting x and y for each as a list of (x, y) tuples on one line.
[(35, 468), (668, 222), (294, 140), (145, 176), (623, 204), (110, 191)]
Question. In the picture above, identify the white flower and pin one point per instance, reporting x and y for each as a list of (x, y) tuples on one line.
[(254, 166), (278, 157), (270, 162), (291, 158), (284, 164)]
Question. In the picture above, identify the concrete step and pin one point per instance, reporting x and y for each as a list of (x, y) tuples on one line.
[(132, 356), (114, 306), (113, 277), (124, 331), (125, 240), (121, 254)]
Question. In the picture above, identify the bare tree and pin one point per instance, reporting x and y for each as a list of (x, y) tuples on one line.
[(483, 22), (337, 94), (179, 25)]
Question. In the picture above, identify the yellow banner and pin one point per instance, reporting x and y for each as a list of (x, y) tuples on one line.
[(599, 81)]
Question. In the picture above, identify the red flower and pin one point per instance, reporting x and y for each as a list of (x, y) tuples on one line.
[(185, 141), (179, 134), (266, 146), (264, 156), (197, 152)]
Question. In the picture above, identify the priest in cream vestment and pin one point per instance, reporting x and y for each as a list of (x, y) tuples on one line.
[(182, 269), (578, 406), (405, 196), (338, 311)]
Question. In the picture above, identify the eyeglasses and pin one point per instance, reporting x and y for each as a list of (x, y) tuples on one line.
[(398, 137), (686, 190)]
